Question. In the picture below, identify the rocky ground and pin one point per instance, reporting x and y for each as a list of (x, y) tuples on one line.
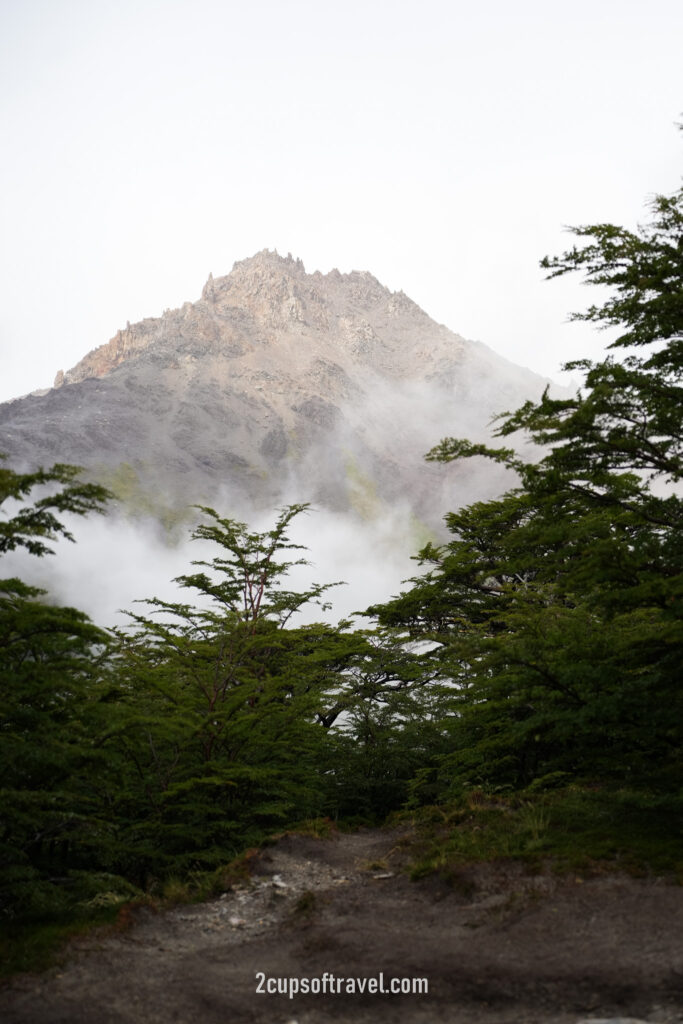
[(498, 947)]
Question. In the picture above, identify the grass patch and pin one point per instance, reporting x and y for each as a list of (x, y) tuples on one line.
[(90, 900), (47, 913), (36, 945), (306, 904), (588, 829), (139, 499), (362, 491), (316, 828)]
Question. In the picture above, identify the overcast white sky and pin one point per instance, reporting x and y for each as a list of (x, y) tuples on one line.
[(440, 145)]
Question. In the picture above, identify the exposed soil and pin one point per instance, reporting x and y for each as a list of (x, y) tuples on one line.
[(497, 947)]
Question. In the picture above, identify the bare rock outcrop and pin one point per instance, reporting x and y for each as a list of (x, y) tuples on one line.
[(275, 385)]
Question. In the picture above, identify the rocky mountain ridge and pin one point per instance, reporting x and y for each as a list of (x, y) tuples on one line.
[(275, 385), (266, 296)]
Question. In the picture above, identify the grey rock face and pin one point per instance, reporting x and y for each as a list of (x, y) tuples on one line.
[(275, 385)]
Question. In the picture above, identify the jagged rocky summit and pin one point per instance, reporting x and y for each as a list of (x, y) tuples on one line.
[(276, 385)]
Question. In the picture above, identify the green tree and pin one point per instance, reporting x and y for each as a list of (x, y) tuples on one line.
[(34, 526), (558, 606), (221, 735), (50, 661), (386, 720)]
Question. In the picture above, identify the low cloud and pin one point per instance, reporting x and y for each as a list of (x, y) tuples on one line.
[(390, 510)]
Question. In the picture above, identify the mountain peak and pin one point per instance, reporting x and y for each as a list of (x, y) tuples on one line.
[(273, 378), (266, 272), (276, 295), (271, 257)]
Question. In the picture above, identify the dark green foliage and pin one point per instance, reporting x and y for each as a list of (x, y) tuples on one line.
[(32, 526), (643, 269), (392, 697), (537, 658), (556, 610), (583, 830), (219, 704), (50, 673)]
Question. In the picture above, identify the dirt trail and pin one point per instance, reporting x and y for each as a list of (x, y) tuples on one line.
[(500, 947)]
